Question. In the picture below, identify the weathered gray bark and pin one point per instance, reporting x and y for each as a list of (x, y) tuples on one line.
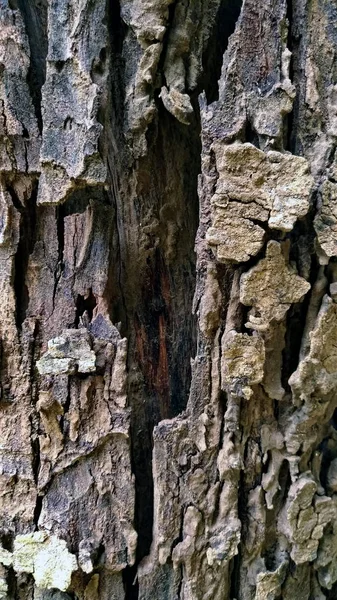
[(168, 326)]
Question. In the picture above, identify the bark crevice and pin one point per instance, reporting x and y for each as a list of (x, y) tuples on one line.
[(168, 326), (35, 18)]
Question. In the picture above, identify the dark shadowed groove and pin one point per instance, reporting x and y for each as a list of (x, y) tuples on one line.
[(251, 136), (34, 419), (235, 576), (60, 214), (39, 499), (34, 13), (297, 315), (167, 294), (296, 36), (117, 27), (12, 583), (331, 594), (130, 583), (114, 118), (165, 312), (292, 46), (235, 564), (224, 26), (85, 305), (24, 249)]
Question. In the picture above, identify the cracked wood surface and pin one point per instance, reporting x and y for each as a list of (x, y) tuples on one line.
[(168, 325)]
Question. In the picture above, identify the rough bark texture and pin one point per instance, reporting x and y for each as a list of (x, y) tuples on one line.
[(168, 324)]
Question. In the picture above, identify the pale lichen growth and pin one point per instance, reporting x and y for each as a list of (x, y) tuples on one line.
[(271, 287), (243, 358), (326, 561), (178, 104), (316, 374), (304, 517), (269, 583), (67, 354), (326, 222), (3, 584), (7, 216), (46, 558), (270, 479), (274, 343), (234, 234), (210, 303), (254, 186)]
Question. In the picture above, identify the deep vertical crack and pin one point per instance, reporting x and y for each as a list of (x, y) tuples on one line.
[(60, 215), (25, 247), (34, 13), (164, 321), (290, 117), (224, 26)]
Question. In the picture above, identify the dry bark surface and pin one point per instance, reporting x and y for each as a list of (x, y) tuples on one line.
[(168, 315)]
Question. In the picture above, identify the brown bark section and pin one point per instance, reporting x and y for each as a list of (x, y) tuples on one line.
[(168, 319)]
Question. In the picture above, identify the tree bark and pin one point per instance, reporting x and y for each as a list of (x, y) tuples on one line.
[(168, 325)]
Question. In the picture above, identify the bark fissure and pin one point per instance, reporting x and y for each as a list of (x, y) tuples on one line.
[(35, 18), (224, 26), (291, 45), (168, 326), (25, 246)]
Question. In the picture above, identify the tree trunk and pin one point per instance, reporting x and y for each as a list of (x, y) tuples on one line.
[(168, 326)]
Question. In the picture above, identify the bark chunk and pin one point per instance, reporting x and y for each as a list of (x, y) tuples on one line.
[(68, 353), (243, 358), (254, 187), (47, 558), (270, 288)]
